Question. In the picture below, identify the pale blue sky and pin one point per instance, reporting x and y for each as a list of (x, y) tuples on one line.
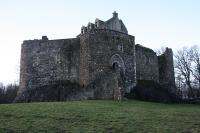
[(154, 23)]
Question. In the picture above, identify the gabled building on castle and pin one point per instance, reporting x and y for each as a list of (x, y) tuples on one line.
[(114, 23), (102, 62)]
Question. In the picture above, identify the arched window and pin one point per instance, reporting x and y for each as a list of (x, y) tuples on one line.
[(115, 66)]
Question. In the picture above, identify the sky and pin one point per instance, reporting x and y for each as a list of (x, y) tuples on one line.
[(154, 23)]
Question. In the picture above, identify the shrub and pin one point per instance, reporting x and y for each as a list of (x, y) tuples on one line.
[(151, 91)]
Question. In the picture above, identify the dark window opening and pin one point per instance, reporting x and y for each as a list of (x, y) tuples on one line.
[(115, 66)]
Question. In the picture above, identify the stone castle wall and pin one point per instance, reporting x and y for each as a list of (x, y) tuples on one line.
[(100, 64), (166, 69), (146, 64), (103, 62), (84, 60), (45, 63), (107, 47)]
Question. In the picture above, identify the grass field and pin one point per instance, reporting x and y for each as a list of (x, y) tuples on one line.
[(99, 116)]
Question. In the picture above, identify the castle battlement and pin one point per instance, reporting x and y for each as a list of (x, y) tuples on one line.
[(113, 33)]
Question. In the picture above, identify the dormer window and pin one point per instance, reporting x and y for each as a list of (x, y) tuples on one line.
[(95, 24)]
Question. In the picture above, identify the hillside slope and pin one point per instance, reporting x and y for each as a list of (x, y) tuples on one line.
[(99, 116)]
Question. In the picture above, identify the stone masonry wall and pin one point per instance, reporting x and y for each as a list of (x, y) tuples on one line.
[(84, 58), (45, 62), (85, 67), (107, 47), (146, 64), (166, 69)]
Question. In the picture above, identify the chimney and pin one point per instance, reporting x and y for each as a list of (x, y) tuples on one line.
[(45, 38), (115, 14)]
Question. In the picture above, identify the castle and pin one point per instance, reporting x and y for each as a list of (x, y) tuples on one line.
[(102, 62)]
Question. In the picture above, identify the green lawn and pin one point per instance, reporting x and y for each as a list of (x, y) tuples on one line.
[(99, 116)]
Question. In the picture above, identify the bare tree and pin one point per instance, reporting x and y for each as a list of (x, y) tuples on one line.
[(179, 81), (183, 65), (8, 93), (160, 51), (195, 54)]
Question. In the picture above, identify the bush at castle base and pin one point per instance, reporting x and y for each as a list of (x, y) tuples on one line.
[(151, 91)]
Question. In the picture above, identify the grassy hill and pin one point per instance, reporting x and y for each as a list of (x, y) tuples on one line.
[(99, 116)]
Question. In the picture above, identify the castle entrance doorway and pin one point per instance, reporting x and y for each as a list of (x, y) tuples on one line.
[(117, 63)]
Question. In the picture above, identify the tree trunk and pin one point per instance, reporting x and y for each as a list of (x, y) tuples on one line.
[(191, 93)]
